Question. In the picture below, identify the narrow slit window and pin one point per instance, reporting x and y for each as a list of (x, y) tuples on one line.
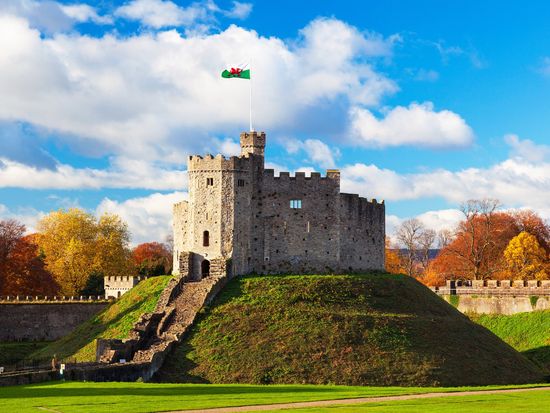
[(296, 203), (240, 182), (209, 181), (205, 239)]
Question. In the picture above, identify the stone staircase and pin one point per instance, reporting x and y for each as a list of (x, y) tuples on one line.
[(178, 317), (155, 334)]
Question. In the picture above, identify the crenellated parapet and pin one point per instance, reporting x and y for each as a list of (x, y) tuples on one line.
[(332, 177), (495, 287), (116, 285), (209, 163)]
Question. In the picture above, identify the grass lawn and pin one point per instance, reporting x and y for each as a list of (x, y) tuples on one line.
[(526, 332), (532, 402), (72, 397)]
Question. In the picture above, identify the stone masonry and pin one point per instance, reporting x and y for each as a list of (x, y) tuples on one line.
[(242, 214)]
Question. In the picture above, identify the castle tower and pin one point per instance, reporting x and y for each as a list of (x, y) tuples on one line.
[(252, 143)]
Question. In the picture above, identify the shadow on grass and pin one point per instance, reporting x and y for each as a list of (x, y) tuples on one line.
[(161, 390), (540, 356)]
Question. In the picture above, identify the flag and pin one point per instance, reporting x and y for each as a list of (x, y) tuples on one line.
[(236, 72)]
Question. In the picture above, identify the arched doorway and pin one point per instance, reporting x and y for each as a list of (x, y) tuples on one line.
[(205, 268)]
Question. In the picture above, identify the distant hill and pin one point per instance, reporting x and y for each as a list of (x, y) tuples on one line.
[(526, 332), (342, 329)]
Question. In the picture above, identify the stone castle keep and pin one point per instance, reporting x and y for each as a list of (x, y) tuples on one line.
[(242, 219)]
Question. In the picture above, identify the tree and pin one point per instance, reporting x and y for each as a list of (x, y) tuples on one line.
[(394, 264), (75, 245), (11, 233), (529, 221), (152, 258), (479, 238), (426, 240), (417, 241), (112, 252), (22, 269), (526, 259)]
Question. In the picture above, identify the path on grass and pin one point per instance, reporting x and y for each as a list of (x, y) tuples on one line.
[(323, 403)]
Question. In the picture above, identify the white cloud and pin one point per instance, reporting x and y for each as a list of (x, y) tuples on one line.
[(51, 16), (25, 215), (527, 149), (515, 182), (84, 12), (160, 13), (318, 152), (123, 173), (239, 10), (165, 13), (417, 124), (149, 218), (227, 147), (156, 95)]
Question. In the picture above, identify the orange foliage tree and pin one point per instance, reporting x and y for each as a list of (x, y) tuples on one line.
[(394, 260), (477, 248), (22, 268), (152, 258)]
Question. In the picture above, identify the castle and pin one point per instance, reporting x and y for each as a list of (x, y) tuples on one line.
[(240, 219)]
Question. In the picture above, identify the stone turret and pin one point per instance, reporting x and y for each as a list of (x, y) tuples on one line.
[(252, 143)]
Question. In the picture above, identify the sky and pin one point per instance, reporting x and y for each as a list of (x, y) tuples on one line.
[(424, 104)]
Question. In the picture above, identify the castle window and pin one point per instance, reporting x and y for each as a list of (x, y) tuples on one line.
[(209, 181), (296, 203), (205, 239), (240, 182)]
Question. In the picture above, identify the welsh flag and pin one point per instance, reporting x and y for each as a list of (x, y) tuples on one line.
[(237, 72)]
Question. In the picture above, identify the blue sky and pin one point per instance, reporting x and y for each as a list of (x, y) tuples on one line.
[(424, 104)]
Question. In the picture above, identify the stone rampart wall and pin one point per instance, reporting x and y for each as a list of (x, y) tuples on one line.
[(44, 321), (505, 305)]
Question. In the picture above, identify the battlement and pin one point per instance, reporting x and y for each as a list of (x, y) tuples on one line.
[(495, 287), (217, 163), (116, 285), (331, 175), (355, 198)]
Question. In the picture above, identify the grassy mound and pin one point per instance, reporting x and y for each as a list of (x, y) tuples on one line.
[(526, 332), (349, 329), (113, 322)]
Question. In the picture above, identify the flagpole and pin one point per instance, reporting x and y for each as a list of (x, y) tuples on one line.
[(251, 129)]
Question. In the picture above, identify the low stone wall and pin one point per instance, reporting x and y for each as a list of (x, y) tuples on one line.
[(505, 305), (44, 321)]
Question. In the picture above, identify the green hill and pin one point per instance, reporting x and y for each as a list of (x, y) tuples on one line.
[(113, 322), (346, 329), (526, 332)]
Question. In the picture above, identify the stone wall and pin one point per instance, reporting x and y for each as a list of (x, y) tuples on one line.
[(496, 296), (505, 305), (44, 321)]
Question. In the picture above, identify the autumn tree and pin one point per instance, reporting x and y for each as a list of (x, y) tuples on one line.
[(75, 245), (526, 259), (152, 258), (22, 269), (480, 239), (394, 264)]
